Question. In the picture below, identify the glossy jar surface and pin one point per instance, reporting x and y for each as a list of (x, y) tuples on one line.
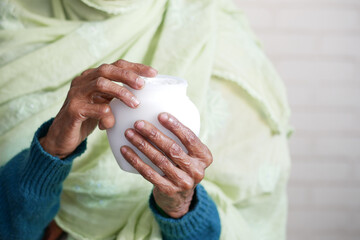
[(160, 94)]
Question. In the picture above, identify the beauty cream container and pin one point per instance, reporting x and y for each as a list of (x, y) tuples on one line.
[(160, 94)]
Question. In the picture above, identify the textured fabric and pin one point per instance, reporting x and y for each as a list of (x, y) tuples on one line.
[(244, 112), (34, 178), (202, 222), (30, 187)]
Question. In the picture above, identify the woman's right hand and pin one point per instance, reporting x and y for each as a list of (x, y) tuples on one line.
[(87, 104)]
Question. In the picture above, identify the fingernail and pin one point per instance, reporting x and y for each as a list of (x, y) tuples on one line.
[(140, 81), (164, 117), (140, 124), (123, 149), (129, 133), (134, 101)]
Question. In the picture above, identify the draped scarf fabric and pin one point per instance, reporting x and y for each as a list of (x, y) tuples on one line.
[(45, 44)]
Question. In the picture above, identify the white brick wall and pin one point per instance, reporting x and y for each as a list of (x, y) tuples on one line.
[(315, 46)]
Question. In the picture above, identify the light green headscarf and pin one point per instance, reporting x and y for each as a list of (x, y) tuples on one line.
[(44, 44)]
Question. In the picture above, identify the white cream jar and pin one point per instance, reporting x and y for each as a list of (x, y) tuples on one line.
[(160, 94)]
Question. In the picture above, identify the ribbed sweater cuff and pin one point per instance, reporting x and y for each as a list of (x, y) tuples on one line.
[(202, 219), (43, 173)]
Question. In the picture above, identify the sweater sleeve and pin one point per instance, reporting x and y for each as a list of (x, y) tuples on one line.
[(201, 222), (30, 188)]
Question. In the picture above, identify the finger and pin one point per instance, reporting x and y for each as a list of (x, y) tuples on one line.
[(194, 168), (107, 122), (83, 76), (101, 98), (114, 73), (164, 143), (145, 170), (86, 72), (174, 174), (185, 135), (101, 112), (138, 68), (103, 85)]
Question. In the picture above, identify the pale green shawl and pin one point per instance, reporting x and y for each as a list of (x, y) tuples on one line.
[(44, 44)]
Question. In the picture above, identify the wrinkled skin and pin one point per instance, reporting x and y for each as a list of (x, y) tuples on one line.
[(87, 106), (173, 192)]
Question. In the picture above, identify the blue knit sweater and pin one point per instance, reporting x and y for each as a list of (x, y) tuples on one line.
[(30, 188)]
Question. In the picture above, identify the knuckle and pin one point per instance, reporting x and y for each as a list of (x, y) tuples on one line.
[(175, 150), (75, 111), (120, 63), (198, 174), (86, 71), (100, 83), (132, 158), (210, 159), (149, 174), (126, 73), (187, 184), (168, 190), (153, 133), (162, 161), (103, 69), (132, 64), (104, 109), (190, 137), (145, 69), (75, 81), (153, 155), (141, 68), (187, 164), (123, 92), (141, 145)]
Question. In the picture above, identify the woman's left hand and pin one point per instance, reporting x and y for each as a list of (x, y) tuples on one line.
[(174, 191)]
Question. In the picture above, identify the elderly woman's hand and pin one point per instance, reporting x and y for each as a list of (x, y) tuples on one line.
[(87, 104), (174, 191)]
